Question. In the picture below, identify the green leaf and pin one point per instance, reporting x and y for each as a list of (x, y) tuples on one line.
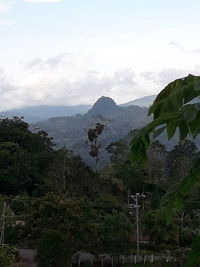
[(193, 256), (183, 129), (192, 178), (190, 115), (171, 128), (178, 202)]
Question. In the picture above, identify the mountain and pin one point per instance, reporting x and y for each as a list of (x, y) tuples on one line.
[(33, 114), (42, 112), (142, 102), (71, 132)]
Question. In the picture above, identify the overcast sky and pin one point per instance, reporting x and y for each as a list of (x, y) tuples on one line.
[(74, 51)]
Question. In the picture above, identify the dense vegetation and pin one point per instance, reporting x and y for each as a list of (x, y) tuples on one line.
[(53, 202)]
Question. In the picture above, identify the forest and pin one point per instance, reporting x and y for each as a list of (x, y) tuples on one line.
[(52, 202)]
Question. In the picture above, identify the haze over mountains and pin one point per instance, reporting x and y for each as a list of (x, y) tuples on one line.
[(71, 131), (43, 112)]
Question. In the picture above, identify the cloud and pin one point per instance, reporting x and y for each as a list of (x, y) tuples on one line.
[(197, 50), (156, 81), (148, 75), (42, 1), (66, 79), (176, 45), (168, 75), (70, 79), (8, 92)]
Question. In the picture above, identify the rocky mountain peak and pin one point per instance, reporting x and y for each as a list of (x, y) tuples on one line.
[(103, 105)]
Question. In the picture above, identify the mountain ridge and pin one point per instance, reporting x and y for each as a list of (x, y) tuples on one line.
[(43, 112)]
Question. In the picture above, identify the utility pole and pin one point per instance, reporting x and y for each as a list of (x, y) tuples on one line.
[(136, 207)]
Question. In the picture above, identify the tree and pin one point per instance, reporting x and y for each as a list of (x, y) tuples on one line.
[(93, 136), (24, 158), (123, 176), (65, 225), (172, 110), (159, 231), (70, 175), (115, 232), (180, 160)]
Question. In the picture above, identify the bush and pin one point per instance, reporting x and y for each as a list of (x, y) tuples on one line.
[(7, 255)]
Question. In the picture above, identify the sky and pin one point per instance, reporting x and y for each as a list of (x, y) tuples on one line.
[(69, 52)]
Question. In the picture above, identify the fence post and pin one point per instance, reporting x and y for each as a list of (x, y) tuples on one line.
[(135, 259), (151, 258), (79, 262)]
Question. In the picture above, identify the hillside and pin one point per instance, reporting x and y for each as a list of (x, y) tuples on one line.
[(33, 114), (44, 112), (72, 131)]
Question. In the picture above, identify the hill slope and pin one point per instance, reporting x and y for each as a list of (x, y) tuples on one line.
[(72, 131)]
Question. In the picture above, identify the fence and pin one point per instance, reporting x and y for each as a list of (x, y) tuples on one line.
[(106, 260)]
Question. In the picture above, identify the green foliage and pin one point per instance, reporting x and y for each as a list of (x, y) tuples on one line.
[(193, 257), (69, 174), (7, 256), (172, 110), (122, 175), (54, 216), (54, 249), (159, 231), (24, 158), (115, 232)]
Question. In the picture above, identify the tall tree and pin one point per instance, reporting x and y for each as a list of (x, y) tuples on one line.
[(93, 136)]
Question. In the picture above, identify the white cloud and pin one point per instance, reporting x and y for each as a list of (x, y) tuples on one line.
[(70, 79), (168, 75), (176, 45), (66, 79), (42, 1)]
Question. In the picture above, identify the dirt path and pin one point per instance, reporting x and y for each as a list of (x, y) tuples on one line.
[(27, 257)]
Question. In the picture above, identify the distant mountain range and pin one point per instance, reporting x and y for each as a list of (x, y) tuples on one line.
[(44, 112), (141, 102), (41, 113), (71, 132)]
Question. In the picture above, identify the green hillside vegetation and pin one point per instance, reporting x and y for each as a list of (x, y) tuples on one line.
[(53, 202)]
